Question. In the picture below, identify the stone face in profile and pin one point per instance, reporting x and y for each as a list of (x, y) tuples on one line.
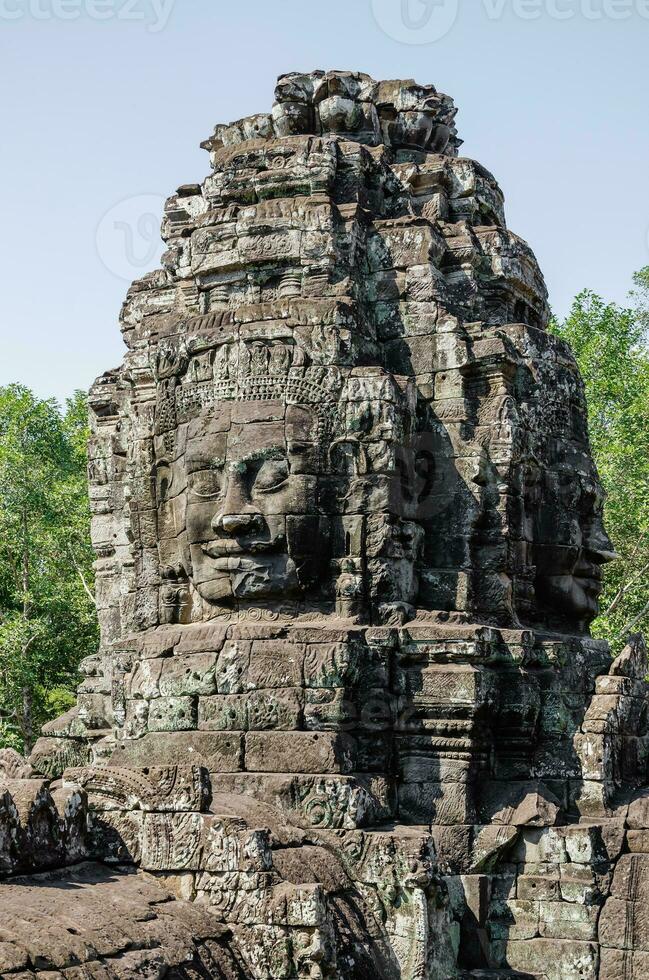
[(570, 546), (350, 541)]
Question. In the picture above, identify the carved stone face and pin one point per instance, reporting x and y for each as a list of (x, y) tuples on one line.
[(571, 546), (250, 501)]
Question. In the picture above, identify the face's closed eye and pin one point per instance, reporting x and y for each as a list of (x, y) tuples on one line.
[(206, 483), (271, 476)]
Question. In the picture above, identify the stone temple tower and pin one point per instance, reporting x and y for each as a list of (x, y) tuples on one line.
[(346, 719)]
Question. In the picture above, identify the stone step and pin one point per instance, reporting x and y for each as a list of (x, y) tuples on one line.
[(503, 974)]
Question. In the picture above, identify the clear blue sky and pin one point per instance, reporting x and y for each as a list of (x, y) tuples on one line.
[(552, 97)]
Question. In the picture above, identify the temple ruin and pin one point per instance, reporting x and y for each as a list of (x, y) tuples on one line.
[(347, 719)]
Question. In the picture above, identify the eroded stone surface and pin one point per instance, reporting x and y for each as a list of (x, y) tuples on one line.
[(89, 921)]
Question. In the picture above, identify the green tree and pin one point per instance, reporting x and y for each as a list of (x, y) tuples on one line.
[(610, 344), (47, 614)]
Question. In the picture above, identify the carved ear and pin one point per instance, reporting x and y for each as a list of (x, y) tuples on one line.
[(348, 456), (163, 476)]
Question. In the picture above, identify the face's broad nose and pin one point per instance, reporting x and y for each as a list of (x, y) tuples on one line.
[(236, 517), (600, 546), (237, 524)]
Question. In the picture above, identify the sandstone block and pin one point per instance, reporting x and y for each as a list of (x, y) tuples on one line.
[(584, 886), (278, 710), (555, 959), (115, 836), (488, 846), (518, 919), (604, 841), (638, 815), (136, 721), (223, 713), (172, 841), (566, 920), (624, 924), (229, 845), (331, 709), (331, 665), (538, 888), (638, 841), (52, 756), (216, 752), (631, 877), (318, 752), (172, 714), (155, 789), (436, 802), (188, 675), (232, 668), (326, 802), (622, 964)]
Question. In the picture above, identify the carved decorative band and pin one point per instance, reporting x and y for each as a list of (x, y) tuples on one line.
[(191, 398)]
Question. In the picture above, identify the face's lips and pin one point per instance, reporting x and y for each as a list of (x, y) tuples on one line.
[(232, 547), (588, 576), (588, 570), (237, 563), (590, 584)]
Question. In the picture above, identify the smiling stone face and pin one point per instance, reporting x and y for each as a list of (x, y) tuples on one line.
[(248, 501)]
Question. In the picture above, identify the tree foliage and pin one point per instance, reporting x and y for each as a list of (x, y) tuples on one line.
[(610, 344), (47, 614)]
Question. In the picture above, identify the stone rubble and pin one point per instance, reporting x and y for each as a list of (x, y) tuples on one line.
[(346, 719)]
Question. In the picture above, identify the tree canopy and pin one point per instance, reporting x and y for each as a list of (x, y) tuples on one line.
[(47, 614), (610, 345)]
